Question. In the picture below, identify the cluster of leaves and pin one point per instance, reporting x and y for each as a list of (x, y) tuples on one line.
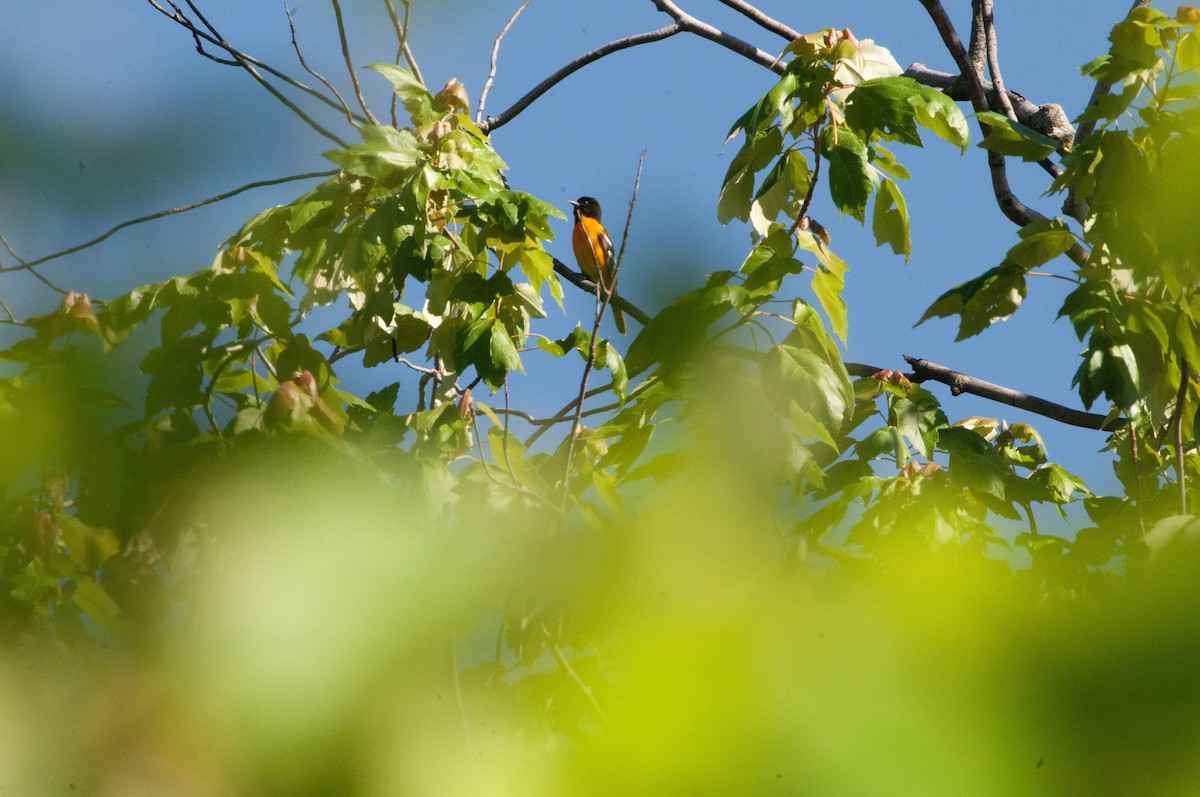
[(433, 255)]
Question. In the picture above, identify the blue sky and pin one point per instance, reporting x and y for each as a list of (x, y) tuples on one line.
[(107, 112)]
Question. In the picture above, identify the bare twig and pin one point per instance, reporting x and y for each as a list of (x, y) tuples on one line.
[(28, 266), (1177, 432), (562, 662), (300, 55), (762, 19), (337, 13), (491, 78), (493, 122), (249, 64), (402, 50), (959, 383), (637, 185)]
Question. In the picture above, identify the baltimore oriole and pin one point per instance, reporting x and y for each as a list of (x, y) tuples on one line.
[(594, 250)]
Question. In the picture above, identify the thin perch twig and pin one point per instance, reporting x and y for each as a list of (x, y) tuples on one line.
[(28, 265), (491, 78)]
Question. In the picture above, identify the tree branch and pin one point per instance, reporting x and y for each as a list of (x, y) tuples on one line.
[(249, 63), (702, 29), (1027, 112), (584, 284), (1010, 205), (337, 13), (304, 63), (494, 122), (28, 265), (959, 383), (993, 58), (762, 19)]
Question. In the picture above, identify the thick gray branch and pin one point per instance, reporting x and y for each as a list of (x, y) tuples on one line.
[(1048, 119), (959, 383)]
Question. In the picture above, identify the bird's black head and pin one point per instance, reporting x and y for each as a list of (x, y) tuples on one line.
[(587, 206)]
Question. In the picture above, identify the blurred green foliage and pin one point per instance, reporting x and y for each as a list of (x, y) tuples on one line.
[(755, 574)]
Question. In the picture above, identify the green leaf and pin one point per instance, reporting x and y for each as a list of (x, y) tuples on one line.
[(851, 178), (738, 186), (889, 221), (1109, 368), (616, 366), (416, 98), (1041, 241), (386, 155), (993, 296), (763, 113), (1013, 138), (937, 112), (973, 463), (176, 373), (868, 61), (503, 350), (882, 105), (828, 282), (919, 416)]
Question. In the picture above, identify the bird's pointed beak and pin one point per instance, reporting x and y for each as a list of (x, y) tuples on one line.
[(572, 203)]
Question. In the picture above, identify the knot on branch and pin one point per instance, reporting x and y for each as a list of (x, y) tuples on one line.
[(1051, 120)]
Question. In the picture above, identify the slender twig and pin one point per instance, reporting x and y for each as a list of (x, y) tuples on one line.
[(12, 319), (515, 486), (762, 19), (24, 266), (493, 122), (504, 440), (491, 78), (1177, 429), (341, 26), (402, 50), (579, 682), (637, 186), (324, 81), (808, 196), (577, 423), (565, 413), (28, 265), (249, 65)]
